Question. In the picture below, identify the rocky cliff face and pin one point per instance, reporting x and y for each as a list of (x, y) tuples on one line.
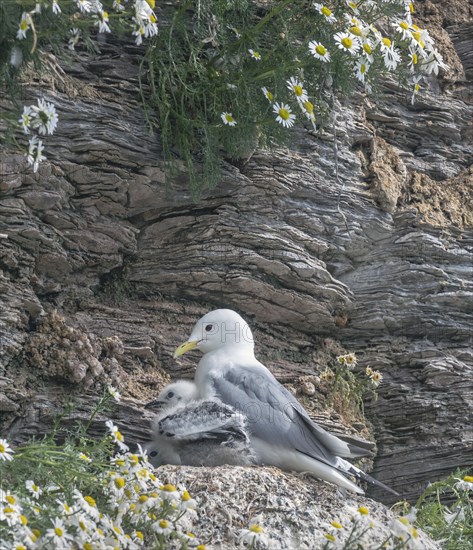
[(361, 242)]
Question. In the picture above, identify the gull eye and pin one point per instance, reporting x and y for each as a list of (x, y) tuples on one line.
[(208, 328), (153, 453), (170, 394)]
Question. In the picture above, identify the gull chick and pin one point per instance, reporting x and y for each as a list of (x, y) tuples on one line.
[(196, 432), (281, 432)]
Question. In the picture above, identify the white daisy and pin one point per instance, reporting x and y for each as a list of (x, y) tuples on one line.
[(23, 26), (35, 153), (390, 54), (308, 109), (163, 527), (169, 492), (117, 5), (35, 491), (326, 12), (403, 28), (267, 94), (319, 51), (25, 119), (465, 484), (297, 88), (87, 504), (85, 6), (255, 55), (116, 434), (55, 7), (227, 118), (59, 535), (433, 63), (347, 42), (74, 36), (45, 117), (114, 393), (361, 68), (101, 21), (285, 116), (255, 536), (368, 48)]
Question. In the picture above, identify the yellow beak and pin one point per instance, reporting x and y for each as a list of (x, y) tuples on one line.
[(184, 348)]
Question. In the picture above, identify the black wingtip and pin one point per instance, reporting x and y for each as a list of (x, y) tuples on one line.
[(372, 481)]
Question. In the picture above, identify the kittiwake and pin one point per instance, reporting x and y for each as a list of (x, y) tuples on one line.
[(281, 432), (196, 432)]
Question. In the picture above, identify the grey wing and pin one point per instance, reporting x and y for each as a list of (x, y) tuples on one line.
[(274, 414), (202, 420)]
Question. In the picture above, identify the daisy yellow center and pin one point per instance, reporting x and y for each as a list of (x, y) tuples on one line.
[(369, 371), (386, 42), (24, 25), (229, 118), (120, 483), (151, 3), (152, 18), (468, 479), (139, 535), (143, 498), (352, 5), (416, 88), (308, 107), (201, 547), (376, 376), (163, 524), (269, 95), (416, 28), (256, 528), (414, 59), (404, 25), (134, 459), (367, 48), (298, 90), (191, 535), (82, 525), (168, 487), (326, 11), (411, 7), (59, 532), (329, 537), (8, 510), (10, 499), (404, 521), (336, 525), (88, 546), (415, 534), (347, 43), (284, 114), (105, 15), (362, 68), (90, 500), (186, 496), (355, 30), (23, 520), (321, 50), (363, 510), (119, 436)]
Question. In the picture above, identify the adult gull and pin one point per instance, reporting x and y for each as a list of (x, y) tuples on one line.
[(281, 432)]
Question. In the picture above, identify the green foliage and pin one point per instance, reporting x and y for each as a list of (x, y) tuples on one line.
[(348, 386), (68, 490), (203, 74), (445, 511)]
